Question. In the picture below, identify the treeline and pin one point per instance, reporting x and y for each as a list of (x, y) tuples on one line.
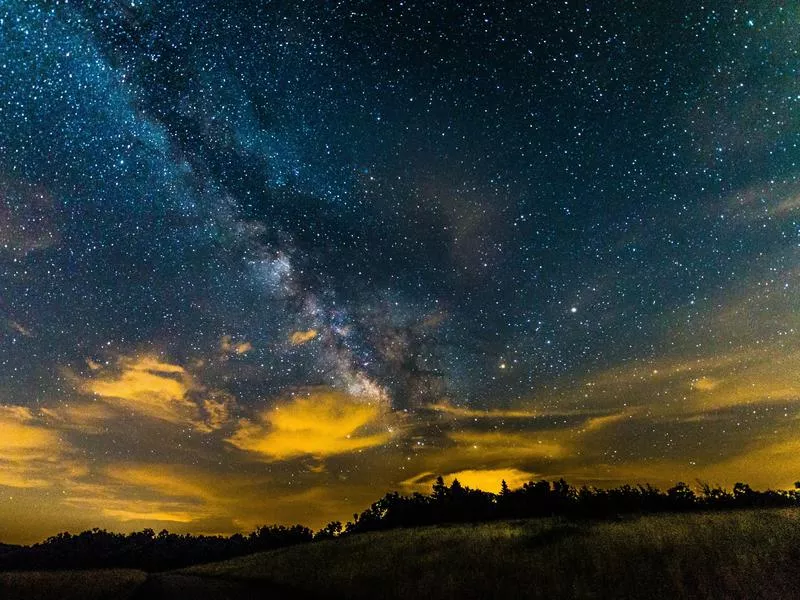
[(146, 550), (153, 551), (542, 498)]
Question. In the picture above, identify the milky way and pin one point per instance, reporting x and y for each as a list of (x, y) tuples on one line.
[(264, 261)]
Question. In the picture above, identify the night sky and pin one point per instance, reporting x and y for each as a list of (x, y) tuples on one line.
[(261, 262)]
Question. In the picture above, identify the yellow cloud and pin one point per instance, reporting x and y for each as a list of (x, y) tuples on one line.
[(149, 492), (323, 423), (228, 345), (498, 444), (458, 411), (705, 384), (126, 504), (19, 437), (488, 480), (88, 417), (217, 409), (774, 376), (761, 373), (93, 364), (164, 479), (31, 455), (596, 423), (148, 387), (243, 347), (194, 498), (301, 337), (782, 457), (151, 511)]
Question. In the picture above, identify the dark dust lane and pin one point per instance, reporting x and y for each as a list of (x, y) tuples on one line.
[(173, 585)]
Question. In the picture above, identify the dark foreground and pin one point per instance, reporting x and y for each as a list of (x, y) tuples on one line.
[(120, 584), (738, 554), (181, 585)]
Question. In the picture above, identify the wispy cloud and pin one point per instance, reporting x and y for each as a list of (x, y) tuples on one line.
[(469, 413), (31, 454), (237, 347), (506, 445), (145, 386)]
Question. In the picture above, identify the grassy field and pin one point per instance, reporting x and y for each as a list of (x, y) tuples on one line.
[(743, 554), (119, 584)]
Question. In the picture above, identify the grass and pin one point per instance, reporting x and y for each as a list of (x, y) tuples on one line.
[(735, 554), (738, 554), (70, 585)]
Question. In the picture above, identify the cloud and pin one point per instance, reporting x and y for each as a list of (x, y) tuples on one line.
[(488, 480), (301, 337), (761, 373), (782, 456), (164, 479), (148, 387), (87, 417), (529, 413), (505, 445), (149, 492), (773, 375), (217, 410), (469, 413), (19, 433), (481, 448), (150, 511), (125, 511), (705, 384), (762, 201), (229, 346), (596, 423), (199, 499), (93, 364), (320, 424), (31, 455), (123, 502)]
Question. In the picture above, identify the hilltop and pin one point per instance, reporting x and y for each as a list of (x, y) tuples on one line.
[(738, 554), (732, 554)]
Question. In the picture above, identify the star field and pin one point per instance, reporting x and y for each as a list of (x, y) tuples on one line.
[(264, 261)]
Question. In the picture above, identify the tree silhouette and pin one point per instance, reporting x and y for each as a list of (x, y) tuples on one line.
[(98, 548), (681, 496), (330, 531), (439, 488)]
